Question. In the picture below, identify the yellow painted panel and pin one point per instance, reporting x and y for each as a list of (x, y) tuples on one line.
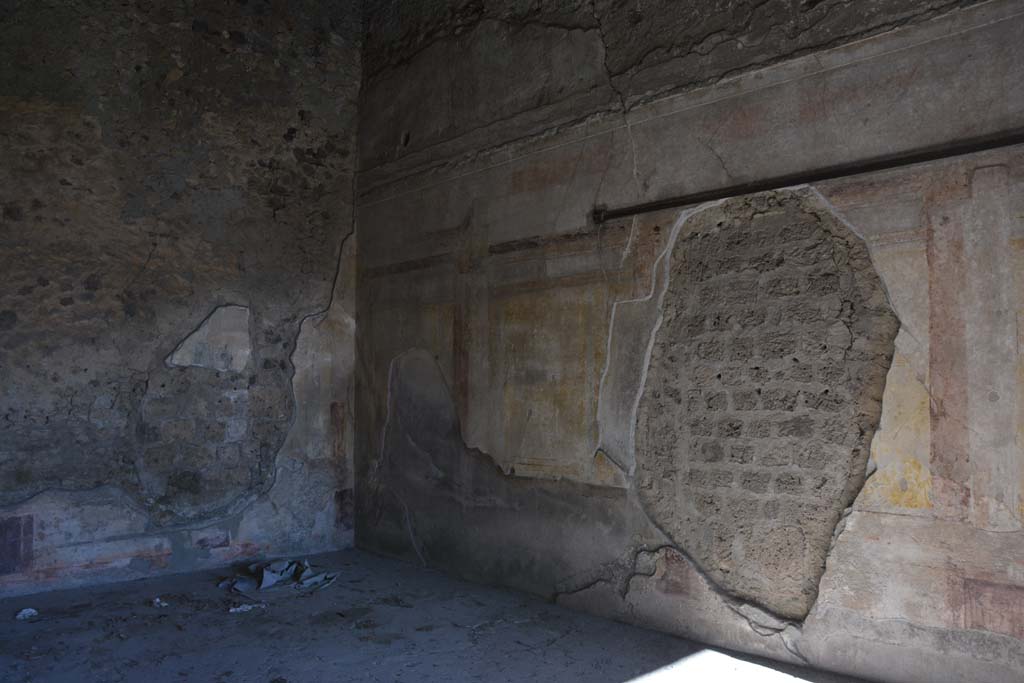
[(901, 446), (550, 347)]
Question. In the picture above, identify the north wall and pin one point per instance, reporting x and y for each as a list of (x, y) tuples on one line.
[(178, 255)]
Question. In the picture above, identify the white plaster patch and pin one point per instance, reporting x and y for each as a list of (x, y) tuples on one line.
[(634, 324), (221, 342)]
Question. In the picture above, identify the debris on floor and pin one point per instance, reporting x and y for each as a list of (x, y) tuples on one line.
[(381, 620), (27, 613), (299, 574), (160, 602), (248, 607)]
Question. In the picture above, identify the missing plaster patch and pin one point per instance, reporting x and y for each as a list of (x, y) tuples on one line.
[(763, 392), (221, 342), (630, 339), (211, 422)]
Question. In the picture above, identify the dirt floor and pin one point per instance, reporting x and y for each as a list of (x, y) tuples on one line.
[(380, 620)]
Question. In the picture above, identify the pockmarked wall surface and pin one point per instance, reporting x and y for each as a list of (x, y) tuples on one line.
[(787, 422), (763, 393), (176, 325)]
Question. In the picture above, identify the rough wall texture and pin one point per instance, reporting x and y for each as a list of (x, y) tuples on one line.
[(659, 47), (176, 188), (763, 393), (506, 341), (518, 68)]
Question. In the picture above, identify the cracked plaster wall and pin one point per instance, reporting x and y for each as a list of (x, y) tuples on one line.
[(523, 67), (176, 327), (505, 338), (176, 159)]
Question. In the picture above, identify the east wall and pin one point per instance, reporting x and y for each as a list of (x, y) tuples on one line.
[(508, 342)]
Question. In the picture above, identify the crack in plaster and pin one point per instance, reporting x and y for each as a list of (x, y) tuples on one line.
[(622, 101), (168, 362), (789, 632), (660, 271), (811, 51), (382, 458), (505, 151), (760, 620), (409, 528)]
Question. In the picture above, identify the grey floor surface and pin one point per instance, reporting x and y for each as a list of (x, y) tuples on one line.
[(380, 621)]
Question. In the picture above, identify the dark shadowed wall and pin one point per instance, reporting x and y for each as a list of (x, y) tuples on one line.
[(176, 321)]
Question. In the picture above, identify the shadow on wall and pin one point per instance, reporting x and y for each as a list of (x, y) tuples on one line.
[(753, 431), (436, 501)]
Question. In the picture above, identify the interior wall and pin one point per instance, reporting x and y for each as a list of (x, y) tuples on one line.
[(563, 406), (177, 321)]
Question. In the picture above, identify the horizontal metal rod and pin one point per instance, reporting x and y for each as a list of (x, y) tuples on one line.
[(934, 153)]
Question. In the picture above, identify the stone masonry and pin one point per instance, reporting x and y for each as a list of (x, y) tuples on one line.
[(175, 192), (763, 394)]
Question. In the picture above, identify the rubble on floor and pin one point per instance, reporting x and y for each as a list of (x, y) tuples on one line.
[(299, 574)]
